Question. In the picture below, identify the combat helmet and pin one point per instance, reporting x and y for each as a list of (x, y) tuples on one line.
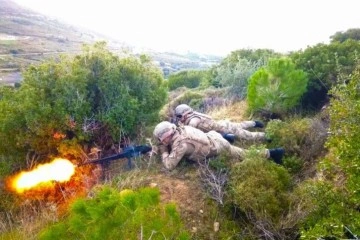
[(163, 130), (182, 109)]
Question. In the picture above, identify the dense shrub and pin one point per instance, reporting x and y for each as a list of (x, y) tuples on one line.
[(188, 78), (325, 211), (235, 77), (326, 65), (336, 211), (352, 33), (251, 55), (125, 215), (93, 97), (259, 188), (301, 137), (191, 97), (229, 71)]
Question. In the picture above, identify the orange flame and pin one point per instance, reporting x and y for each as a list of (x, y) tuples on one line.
[(59, 170)]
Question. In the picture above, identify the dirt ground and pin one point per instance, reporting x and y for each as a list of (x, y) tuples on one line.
[(191, 199)]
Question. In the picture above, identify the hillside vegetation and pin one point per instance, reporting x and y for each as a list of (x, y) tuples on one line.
[(27, 37), (95, 104)]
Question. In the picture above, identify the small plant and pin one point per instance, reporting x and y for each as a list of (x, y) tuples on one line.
[(214, 180)]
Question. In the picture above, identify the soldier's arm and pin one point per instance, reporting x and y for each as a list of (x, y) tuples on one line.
[(194, 122), (171, 159)]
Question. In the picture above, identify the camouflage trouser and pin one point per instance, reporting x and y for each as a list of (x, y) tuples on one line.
[(238, 130), (242, 125), (221, 145)]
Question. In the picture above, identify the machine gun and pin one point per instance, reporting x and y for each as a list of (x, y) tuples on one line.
[(128, 152)]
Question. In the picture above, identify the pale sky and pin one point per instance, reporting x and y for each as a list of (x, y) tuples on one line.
[(208, 26)]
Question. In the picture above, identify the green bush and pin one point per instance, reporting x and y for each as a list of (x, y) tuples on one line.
[(325, 211), (92, 97), (277, 87), (191, 97), (303, 138), (189, 79), (259, 188), (235, 77), (337, 205), (293, 164), (325, 64), (125, 215), (237, 67)]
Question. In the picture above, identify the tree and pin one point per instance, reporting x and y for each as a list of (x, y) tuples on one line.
[(326, 66), (277, 87), (235, 77), (252, 55), (239, 60), (352, 33)]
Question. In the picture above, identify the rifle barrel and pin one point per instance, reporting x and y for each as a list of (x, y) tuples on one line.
[(128, 152)]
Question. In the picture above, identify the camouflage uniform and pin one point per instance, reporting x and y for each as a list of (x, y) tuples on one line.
[(191, 143), (207, 124)]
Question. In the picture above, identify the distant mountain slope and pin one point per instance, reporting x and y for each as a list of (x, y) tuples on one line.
[(27, 37)]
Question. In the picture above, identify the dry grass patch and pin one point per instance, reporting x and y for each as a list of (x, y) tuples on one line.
[(235, 112)]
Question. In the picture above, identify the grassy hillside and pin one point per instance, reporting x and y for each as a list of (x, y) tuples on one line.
[(96, 104), (27, 37)]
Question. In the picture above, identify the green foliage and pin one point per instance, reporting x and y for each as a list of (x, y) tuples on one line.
[(326, 209), (338, 204), (324, 65), (125, 215), (301, 137), (352, 33), (191, 98), (277, 87), (229, 71), (189, 79), (11, 123), (235, 77), (251, 55), (293, 164), (260, 189), (91, 97), (199, 99), (13, 235)]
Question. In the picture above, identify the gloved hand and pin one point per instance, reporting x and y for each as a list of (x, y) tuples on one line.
[(258, 124), (154, 151)]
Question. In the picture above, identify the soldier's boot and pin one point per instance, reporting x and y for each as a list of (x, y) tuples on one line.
[(258, 124), (277, 154), (229, 137)]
